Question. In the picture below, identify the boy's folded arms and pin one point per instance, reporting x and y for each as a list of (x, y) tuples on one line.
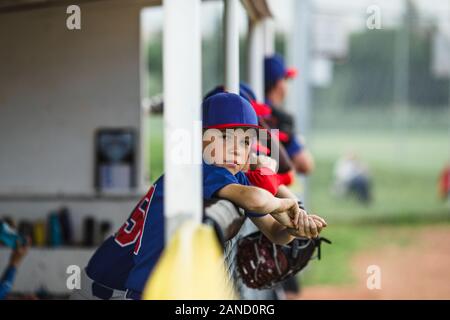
[(292, 221)]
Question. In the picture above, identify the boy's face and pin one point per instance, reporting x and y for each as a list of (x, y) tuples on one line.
[(279, 91), (229, 148)]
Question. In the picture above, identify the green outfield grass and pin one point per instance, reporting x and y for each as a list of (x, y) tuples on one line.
[(154, 128), (334, 267), (405, 173)]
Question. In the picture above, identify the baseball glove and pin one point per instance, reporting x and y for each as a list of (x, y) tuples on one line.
[(262, 264)]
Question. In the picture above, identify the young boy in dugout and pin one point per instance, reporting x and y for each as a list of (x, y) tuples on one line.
[(120, 267)]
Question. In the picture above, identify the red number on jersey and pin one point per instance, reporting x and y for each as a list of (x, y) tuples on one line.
[(131, 230)]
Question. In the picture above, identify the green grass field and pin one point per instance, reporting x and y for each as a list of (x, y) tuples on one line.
[(405, 169), (405, 175), (155, 145), (334, 267)]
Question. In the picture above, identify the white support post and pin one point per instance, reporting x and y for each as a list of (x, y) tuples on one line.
[(401, 85), (255, 62), (255, 58), (182, 113), (300, 56), (231, 46), (269, 37)]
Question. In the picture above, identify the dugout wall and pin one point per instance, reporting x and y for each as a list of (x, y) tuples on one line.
[(57, 87)]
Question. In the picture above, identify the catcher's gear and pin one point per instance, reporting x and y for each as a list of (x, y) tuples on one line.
[(262, 264)]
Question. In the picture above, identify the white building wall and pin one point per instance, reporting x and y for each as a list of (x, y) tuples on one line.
[(58, 86)]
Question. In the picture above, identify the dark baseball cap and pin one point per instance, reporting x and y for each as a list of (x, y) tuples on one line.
[(260, 108), (228, 110), (275, 69), (246, 92)]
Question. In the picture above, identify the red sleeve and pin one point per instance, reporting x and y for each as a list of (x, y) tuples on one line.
[(264, 178), (444, 183), (285, 178)]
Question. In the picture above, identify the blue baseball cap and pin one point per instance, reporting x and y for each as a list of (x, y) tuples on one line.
[(243, 92), (260, 108), (275, 69), (246, 92), (228, 110)]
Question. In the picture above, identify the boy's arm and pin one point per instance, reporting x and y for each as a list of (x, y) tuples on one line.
[(6, 281), (284, 192), (250, 198), (254, 199), (274, 231)]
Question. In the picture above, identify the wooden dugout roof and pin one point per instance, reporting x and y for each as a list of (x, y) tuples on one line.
[(256, 9)]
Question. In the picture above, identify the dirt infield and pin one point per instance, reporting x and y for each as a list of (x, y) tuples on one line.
[(418, 270)]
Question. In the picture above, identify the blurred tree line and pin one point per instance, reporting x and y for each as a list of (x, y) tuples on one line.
[(367, 76), (212, 59)]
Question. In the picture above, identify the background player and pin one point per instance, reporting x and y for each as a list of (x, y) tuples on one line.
[(16, 257), (275, 88)]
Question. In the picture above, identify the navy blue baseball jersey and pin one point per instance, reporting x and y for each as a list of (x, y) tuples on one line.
[(125, 260)]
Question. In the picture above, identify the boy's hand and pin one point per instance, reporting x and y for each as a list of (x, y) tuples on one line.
[(312, 226), (262, 161), (288, 213), (320, 222), (266, 162), (18, 253), (285, 219), (307, 228)]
